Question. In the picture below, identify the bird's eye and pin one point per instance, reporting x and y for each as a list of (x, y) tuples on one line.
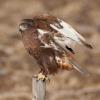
[(24, 26)]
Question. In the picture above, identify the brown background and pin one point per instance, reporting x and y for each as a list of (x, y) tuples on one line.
[(17, 67)]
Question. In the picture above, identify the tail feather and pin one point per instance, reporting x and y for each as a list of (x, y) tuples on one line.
[(79, 69), (86, 44)]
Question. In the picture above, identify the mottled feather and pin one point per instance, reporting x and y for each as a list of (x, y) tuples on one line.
[(51, 41)]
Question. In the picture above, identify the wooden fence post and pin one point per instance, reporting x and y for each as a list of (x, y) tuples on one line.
[(38, 89)]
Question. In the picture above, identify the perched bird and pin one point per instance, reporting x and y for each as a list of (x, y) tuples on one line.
[(50, 41)]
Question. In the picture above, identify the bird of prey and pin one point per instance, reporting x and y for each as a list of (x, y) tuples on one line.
[(51, 42)]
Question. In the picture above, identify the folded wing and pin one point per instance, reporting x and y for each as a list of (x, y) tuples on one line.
[(60, 44), (69, 34), (55, 42)]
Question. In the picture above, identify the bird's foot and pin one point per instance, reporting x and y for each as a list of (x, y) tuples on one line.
[(42, 77)]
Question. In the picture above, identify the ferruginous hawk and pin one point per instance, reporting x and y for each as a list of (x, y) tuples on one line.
[(51, 42)]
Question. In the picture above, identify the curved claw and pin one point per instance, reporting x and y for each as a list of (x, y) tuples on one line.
[(42, 77)]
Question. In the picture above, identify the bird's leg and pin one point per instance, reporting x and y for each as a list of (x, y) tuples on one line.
[(63, 62)]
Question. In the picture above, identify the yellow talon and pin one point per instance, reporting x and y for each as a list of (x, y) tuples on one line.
[(41, 76)]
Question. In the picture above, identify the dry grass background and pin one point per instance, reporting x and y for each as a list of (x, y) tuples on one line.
[(17, 67)]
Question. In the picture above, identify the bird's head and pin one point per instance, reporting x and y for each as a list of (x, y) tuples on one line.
[(26, 24)]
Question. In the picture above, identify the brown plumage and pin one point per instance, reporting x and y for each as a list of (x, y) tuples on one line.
[(44, 39)]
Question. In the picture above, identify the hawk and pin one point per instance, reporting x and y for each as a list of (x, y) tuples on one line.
[(51, 42)]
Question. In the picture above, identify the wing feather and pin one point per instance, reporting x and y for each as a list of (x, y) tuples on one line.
[(69, 33), (78, 68), (58, 43)]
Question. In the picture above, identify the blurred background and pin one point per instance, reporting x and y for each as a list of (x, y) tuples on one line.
[(17, 67)]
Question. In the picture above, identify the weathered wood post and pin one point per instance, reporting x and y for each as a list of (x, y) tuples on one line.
[(38, 89)]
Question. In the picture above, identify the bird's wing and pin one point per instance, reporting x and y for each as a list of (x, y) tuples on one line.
[(69, 34), (57, 43)]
